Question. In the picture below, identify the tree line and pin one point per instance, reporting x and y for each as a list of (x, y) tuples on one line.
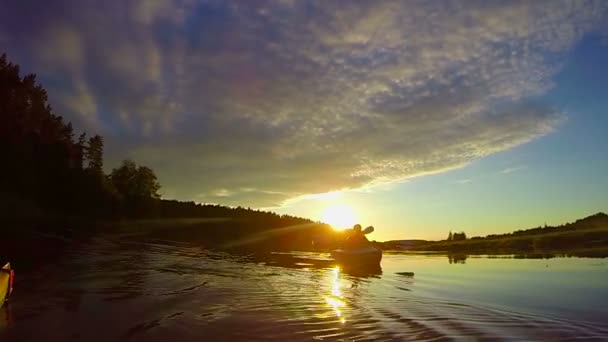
[(49, 166), (584, 237), (456, 236)]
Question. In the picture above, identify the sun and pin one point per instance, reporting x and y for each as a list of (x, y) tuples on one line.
[(339, 216)]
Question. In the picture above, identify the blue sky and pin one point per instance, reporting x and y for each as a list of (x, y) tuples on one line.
[(482, 116)]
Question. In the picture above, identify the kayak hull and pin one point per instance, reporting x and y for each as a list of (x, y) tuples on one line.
[(367, 256)]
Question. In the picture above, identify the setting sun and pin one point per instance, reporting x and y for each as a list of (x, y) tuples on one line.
[(339, 216)]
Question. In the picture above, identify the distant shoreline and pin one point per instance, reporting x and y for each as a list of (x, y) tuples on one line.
[(585, 237), (539, 254)]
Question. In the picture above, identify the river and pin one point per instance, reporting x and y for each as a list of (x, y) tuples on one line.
[(122, 289)]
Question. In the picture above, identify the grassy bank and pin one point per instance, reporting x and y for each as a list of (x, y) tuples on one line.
[(585, 237)]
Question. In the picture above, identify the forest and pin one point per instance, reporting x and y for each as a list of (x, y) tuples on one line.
[(54, 171)]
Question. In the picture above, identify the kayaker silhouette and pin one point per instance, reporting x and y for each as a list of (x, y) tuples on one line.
[(357, 251), (357, 238)]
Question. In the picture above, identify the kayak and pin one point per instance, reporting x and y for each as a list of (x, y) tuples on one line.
[(360, 256), (6, 282)]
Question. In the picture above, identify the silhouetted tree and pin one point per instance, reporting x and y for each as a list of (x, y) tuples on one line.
[(459, 236), (94, 155), (146, 183), (43, 158), (450, 236), (81, 144), (138, 186), (123, 179)]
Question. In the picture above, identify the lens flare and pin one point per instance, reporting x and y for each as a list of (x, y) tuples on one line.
[(339, 216)]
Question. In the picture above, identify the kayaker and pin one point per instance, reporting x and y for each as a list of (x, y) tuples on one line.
[(356, 239)]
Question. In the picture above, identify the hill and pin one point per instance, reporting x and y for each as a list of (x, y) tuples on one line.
[(587, 236)]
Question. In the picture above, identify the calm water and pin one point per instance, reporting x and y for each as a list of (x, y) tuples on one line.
[(116, 289)]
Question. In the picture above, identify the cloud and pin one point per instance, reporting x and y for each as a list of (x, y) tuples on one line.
[(253, 103), (511, 170)]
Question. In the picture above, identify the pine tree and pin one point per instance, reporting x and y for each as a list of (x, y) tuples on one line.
[(94, 154)]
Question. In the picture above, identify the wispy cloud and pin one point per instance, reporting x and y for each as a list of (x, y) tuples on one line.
[(511, 170), (288, 98), (463, 181)]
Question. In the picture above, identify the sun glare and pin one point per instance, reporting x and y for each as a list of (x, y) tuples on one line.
[(339, 216)]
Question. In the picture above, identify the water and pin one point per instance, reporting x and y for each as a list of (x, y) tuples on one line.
[(114, 289)]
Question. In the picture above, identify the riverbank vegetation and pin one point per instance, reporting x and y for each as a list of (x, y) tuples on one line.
[(584, 237)]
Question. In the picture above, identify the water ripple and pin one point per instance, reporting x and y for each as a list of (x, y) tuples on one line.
[(154, 291)]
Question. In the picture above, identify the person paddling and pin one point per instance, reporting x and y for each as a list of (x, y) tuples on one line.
[(357, 250), (357, 238)]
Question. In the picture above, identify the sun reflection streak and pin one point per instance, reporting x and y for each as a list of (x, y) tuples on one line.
[(335, 300)]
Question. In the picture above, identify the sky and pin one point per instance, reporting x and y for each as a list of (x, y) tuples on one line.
[(420, 116)]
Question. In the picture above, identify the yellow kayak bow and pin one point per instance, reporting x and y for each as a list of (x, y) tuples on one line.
[(7, 276)]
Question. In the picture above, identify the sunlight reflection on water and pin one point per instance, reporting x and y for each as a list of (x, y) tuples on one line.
[(159, 292), (335, 299)]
